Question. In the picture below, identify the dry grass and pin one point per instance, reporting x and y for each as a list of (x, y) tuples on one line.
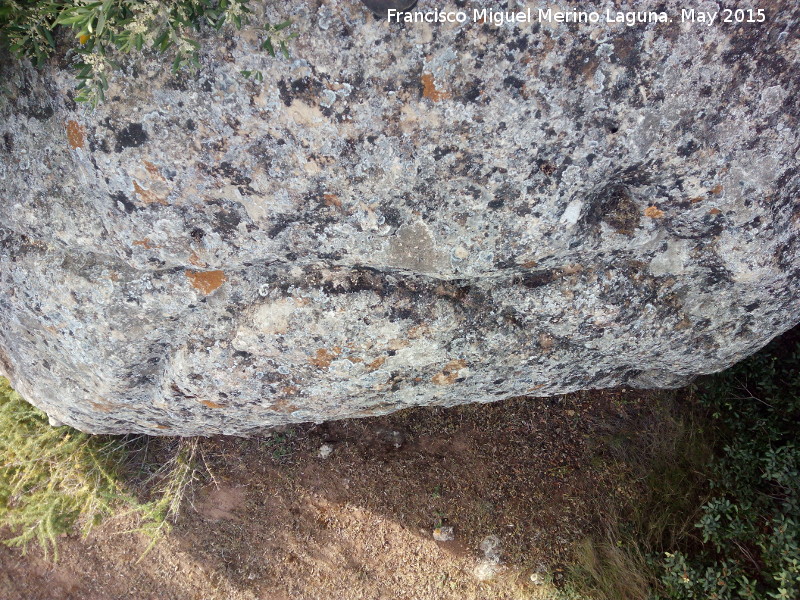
[(56, 479), (665, 453)]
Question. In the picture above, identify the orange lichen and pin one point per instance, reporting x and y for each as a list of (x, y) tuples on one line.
[(449, 374), (717, 189), (196, 261), (377, 363), (206, 281), (324, 358), (429, 90), (153, 170), (653, 212), (147, 196), (76, 135), (211, 404), (145, 243), (714, 211), (332, 200)]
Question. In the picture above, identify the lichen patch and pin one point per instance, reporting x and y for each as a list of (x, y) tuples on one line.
[(430, 91), (324, 358), (153, 170), (449, 373), (206, 281), (147, 196), (653, 212), (195, 259), (76, 135), (211, 404)]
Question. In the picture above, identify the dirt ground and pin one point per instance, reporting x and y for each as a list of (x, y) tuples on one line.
[(273, 520)]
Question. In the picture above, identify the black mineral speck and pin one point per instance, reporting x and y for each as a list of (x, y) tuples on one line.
[(439, 152), (121, 199), (513, 82), (40, 113), (285, 94), (131, 136), (227, 222), (495, 204), (234, 175), (472, 94), (687, 149)]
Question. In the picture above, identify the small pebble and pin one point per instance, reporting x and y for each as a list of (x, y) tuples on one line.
[(490, 546), (443, 534), (538, 578), (486, 570), (325, 450)]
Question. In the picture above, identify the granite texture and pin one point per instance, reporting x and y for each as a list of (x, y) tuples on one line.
[(398, 215)]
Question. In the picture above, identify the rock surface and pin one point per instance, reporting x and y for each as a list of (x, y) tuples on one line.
[(398, 215)]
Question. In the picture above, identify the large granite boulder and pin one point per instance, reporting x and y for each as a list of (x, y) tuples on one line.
[(400, 214)]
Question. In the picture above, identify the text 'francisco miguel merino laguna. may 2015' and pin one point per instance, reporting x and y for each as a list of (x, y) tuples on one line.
[(548, 15)]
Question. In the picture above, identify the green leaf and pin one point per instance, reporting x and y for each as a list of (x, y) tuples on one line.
[(160, 39), (48, 36), (101, 21)]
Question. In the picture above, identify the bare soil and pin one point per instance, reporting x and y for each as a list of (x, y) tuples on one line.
[(273, 520)]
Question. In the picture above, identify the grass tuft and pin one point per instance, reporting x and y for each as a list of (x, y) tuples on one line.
[(54, 480), (716, 502)]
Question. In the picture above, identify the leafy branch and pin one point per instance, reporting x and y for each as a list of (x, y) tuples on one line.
[(102, 30)]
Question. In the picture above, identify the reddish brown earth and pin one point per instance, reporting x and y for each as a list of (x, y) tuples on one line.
[(272, 520)]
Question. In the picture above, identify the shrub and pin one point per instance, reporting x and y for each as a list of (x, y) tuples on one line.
[(663, 453), (750, 526), (103, 30), (53, 479), (717, 514)]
